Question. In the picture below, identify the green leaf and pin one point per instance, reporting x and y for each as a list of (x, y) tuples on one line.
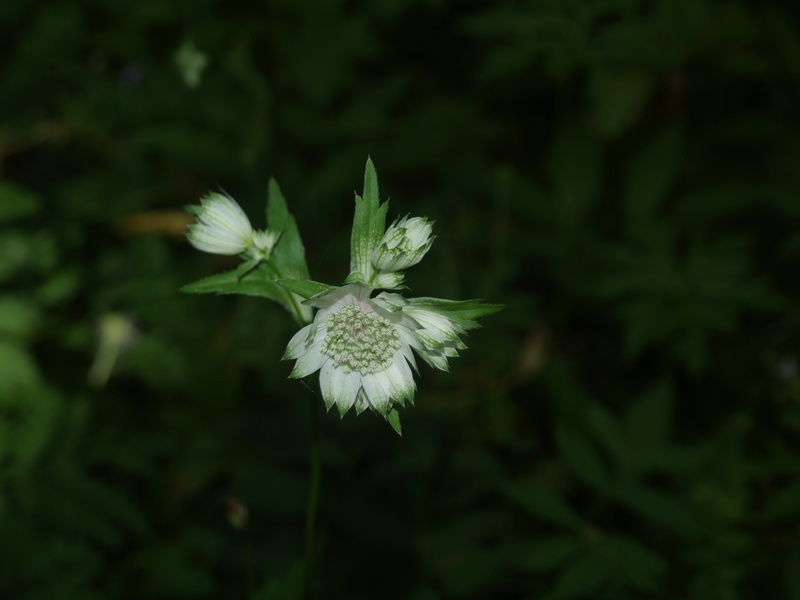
[(576, 170), (305, 287), (658, 508), (582, 457), (541, 504), (547, 554), (582, 578), (16, 202), (641, 566), (651, 176), (461, 311), (369, 223), (289, 254), (393, 416), (648, 423), (17, 368), (258, 282), (17, 316)]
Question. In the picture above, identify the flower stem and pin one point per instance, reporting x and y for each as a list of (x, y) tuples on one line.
[(313, 497)]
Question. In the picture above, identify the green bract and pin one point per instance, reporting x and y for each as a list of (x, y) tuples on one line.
[(363, 344)]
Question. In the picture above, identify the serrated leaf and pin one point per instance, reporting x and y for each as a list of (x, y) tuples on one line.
[(582, 457), (305, 287), (289, 254), (369, 224), (256, 282)]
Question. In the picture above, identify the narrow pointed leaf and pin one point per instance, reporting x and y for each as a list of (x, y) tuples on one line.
[(304, 287)]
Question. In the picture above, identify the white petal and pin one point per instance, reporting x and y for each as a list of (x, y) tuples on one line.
[(377, 394), (298, 343), (325, 380), (309, 362), (344, 388)]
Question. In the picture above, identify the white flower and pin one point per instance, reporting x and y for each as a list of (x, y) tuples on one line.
[(404, 244), (361, 348), (437, 332), (222, 227)]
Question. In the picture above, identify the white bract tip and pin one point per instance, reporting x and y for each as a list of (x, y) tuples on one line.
[(404, 244), (222, 227)]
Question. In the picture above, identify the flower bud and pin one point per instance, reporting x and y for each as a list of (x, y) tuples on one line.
[(222, 227), (404, 244)]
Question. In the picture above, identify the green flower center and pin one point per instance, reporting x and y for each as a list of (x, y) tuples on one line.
[(360, 341)]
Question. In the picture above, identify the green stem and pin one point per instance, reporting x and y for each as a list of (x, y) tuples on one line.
[(313, 497), (297, 312)]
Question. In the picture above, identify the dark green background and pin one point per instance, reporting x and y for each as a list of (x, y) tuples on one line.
[(624, 175)]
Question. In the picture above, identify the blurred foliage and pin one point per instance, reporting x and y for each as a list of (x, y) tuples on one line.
[(623, 174)]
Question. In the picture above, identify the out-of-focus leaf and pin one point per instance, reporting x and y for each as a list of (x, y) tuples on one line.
[(584, 577), (545, 555), (541, 504), (651, 176), (658, 508), (17, 316), (17, 368), (642, 567), (582, 457), (576, 168), (16, 202)]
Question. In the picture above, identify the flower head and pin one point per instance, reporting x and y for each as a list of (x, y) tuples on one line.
[(404, 244), (223, 228), (362, 350)]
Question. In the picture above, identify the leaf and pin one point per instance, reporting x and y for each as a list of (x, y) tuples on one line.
[(393, 416), (648, 423), (576, 170), (305, 287), (461, 311), (17, 316), (641, 566), (258, 282), (369, 224), (17, 368), (658, 508), (547, 554), (16, 202), (582, 578), (541, 504), (289, 254), (582, 458), (652, 174)]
